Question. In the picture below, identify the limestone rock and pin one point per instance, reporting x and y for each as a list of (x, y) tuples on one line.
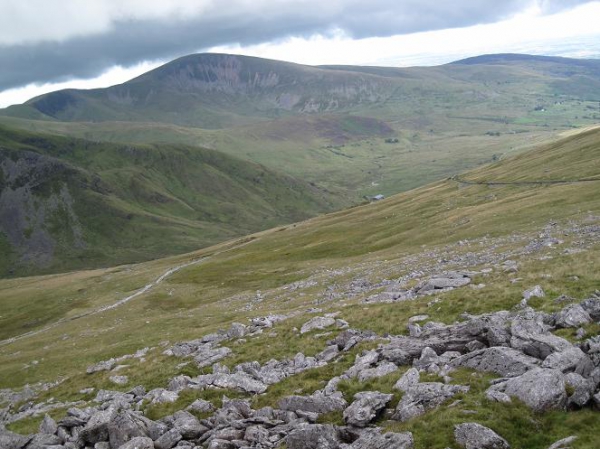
[(568, 360), (408, 379), (565, 443), (383, 369), (201, 406), (592, 307), (425, 396), (105, 365), (188, 425), (43, 441), (168, 439), (573, 315), (373, 439), (318, 322), (506, 362), (48, 426), (207, 355), (126, 425), (96, 429), (365, 408), (534, 292), (476, 436), (10, 440), (119, 380), (161, 396), (541, 389), (137, 443), (313, 436), (317, 403)]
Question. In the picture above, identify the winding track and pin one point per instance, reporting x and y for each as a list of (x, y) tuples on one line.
[(459, 180), (120, 302), (125, 300)]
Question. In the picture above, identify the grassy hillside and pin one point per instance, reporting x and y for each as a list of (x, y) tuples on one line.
[(333, 262), (68, 203), (382, 234), (364, 130)]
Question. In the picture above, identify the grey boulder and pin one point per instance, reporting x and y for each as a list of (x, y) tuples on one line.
[(425, 396), (506, 362), (373, 439), (408, 379), (48, 426), (540, 389), (573, 315), (313, 436), (476, 436), (365, 408), (168, 439), (318, 322), (137, 443), (316, 403)]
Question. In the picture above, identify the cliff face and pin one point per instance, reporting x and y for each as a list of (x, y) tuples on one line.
[(36, 206), (214, 90), (69, 203)]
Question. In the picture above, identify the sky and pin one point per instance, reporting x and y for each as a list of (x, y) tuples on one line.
[(46, 45)]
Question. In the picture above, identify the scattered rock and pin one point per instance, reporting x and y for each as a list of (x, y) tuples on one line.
[(201, 406), (317, 403), (541, 389), (48, 426), (564, 443), (138, 443), (534, 292), (506, 362), (373, 439), (318, 322), (425, 396), (476, 436), (313, 436), (573, 315), (119, 380), (365, 408), (408, 379)]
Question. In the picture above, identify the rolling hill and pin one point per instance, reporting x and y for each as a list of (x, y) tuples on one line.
[(364, 130), (530, 219), (68, 203)]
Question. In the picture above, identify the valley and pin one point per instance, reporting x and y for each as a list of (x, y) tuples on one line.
[(212, 146), (509, 248)]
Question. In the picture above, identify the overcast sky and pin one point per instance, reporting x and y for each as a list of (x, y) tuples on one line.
[(47, 45)]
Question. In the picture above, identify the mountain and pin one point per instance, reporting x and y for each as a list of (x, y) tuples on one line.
[(213, 91), (68, 203), (358, 130), (483, 283)]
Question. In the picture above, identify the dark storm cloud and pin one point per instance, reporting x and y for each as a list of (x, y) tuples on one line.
[(130, 42)]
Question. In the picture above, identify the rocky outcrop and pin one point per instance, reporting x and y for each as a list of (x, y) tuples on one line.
[(537, 367)]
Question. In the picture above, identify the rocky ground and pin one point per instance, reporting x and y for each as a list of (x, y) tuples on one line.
[(529, 362)]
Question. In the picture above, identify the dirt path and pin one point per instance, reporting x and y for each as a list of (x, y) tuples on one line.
[(459, 180), (125, 300)]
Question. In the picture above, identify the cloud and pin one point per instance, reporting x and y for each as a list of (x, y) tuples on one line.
[(43, 42)]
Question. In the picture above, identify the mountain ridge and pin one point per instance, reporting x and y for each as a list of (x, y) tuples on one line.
[(67, 203)]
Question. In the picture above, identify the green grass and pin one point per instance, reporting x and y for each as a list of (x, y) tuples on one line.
[(105, 204), (383, 240)]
